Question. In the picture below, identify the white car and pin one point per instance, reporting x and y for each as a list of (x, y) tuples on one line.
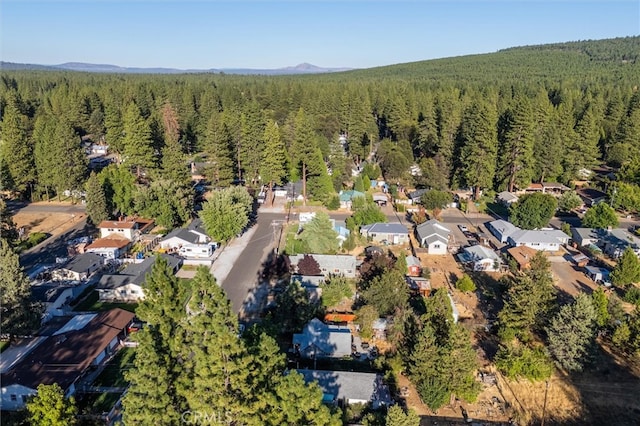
[(463, 228)]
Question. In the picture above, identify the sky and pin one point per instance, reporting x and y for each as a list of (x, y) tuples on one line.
[(273, 34)]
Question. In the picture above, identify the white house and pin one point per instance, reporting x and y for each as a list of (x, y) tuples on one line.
[(502, 229), (53, 297), (507, 198), (480, 258), (541, 239), (79, 267), (434, 236), (128, 285), (63, 358), (110, 248), (585, 236), (349, 387), (130, 229)]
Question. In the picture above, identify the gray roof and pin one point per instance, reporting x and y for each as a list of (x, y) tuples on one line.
[(329, 262), (621, 238), (135, 273), (349, 385), (386, 228), (585, 234), (83, 262), (503, 227), (417, 194), (47, 293), (524, 236), (197, 226), (323, 341), (183, 234), (413, 261), (507, 196), (307, 280), (479, 252), (433, 227)]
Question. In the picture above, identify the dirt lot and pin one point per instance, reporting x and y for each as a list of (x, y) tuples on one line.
[(47, 222)]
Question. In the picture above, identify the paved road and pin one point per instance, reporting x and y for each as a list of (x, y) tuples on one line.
[(47, 251), (53, 207), (245, 273)]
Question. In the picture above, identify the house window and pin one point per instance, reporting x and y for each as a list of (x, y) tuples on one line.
[(436, 246), (109, 229), (349, 271), (14, 397), (123, 292), (336, 271)]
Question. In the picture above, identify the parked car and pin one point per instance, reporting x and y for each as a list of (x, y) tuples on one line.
[(463, 228)]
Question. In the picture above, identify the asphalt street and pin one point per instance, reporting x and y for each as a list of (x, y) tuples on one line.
[(245, 273)]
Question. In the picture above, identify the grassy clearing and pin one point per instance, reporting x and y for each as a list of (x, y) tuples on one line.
[(98, 403), (113, 374), (91, 303)]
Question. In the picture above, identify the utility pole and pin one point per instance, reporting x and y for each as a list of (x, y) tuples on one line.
[(544, 406)]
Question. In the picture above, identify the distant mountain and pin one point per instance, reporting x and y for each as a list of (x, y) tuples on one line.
[(303, 68)]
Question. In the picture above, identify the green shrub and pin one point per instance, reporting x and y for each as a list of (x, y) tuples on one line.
[(465, 284), (517, 360), (333, 202), (632, 295)]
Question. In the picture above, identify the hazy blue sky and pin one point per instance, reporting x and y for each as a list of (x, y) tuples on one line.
[(270, 34)]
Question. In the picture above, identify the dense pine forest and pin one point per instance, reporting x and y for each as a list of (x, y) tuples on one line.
[(489, 122)]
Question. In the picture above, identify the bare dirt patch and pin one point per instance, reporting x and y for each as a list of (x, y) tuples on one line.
[(445, 271), (49, 223)]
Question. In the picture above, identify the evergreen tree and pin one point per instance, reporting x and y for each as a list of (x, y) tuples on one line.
[(319, 235), (571, 333), (174, 164), (137, 141), (217, 145), (153, 396), (396, 416), (218, 361), (15, 148), (627, 270), (19, 315), (585, 150), (549, 148), (169, 202), (120, 189), (97, 209), (71, 169), (478, 147), (304, 147), (516, 159), (601, 305), (113, 124), (49, 407), (44, 153), (273, 168), (8, 230), (252, 126), (387, 292)]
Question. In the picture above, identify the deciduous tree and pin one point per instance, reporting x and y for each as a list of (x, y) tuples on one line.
[(319, 235), (533, 211), (49, 407), (600, 216)]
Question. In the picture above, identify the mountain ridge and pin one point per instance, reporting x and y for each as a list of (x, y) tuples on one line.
[(302, 68)]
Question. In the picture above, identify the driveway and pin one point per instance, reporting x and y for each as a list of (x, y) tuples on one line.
[(570, 280)]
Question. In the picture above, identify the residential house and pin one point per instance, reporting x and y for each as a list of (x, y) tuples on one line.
[(419, 285), (79, 267), (348, 387), (130, 229), (386, 233), (53, 297), (190, 242), (534, 187), (110, 248), (591, 196), (414, 267), (347, 197), (585, 237), (319, 340), (615, 241), (554, 188), (343, 233), (522, 255), (63, 358), (433, 236), (502, 229), (507, 198), (330, 264), (480, 258), (540, 239), (128, 285), (415, 196)]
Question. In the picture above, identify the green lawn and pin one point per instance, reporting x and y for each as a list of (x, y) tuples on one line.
[(91, 303), (113, 374), (97, 403)]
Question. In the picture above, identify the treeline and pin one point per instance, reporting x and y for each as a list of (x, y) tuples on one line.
[(489, 121)]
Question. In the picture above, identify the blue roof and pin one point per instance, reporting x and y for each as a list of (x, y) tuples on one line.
[(350, 195)]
